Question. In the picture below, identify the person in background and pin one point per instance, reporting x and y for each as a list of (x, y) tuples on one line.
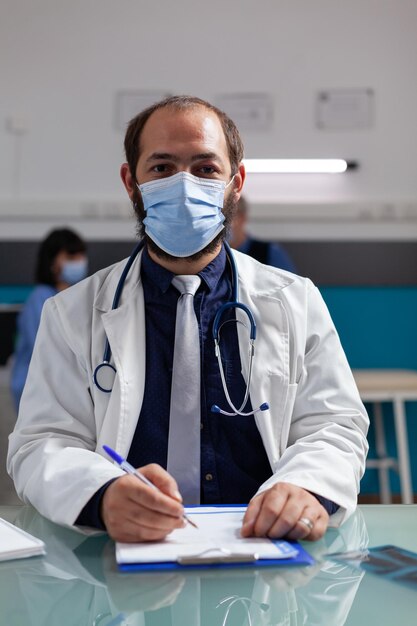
[(265, 252), (61, 262)]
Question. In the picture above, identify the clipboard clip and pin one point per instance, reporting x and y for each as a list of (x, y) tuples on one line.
[(218, 555)]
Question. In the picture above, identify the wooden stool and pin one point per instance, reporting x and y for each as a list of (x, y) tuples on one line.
[(395, 386)]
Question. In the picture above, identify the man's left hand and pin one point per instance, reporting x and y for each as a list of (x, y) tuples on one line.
[(285, 510)]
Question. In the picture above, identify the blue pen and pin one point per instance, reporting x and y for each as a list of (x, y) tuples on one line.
[(129, 469)]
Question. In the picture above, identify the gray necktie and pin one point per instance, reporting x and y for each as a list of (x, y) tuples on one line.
[(184, 420)]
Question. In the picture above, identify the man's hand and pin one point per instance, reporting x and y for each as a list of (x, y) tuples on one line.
[(277, 513), (132, 511)]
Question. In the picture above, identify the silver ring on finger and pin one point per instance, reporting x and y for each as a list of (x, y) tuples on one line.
[(307, 522)]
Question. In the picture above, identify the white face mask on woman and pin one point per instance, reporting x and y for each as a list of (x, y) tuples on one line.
[(74, 271)]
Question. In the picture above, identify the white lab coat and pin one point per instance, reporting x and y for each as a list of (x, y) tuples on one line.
[(314, 432)]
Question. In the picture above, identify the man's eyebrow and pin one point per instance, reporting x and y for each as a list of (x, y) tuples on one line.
[(205, 155), (162, 156), (167, 156)]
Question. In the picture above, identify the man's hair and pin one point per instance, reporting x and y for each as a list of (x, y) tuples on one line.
[(59, 240), (181, 103)]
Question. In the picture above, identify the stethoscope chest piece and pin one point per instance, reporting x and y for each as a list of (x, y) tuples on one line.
[(103, 376)]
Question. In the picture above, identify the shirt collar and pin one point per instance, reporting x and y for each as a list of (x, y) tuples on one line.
[(212, 273), (162, 277)]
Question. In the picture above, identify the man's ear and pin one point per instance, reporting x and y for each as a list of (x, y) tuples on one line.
[(239, 180), (127, 179)]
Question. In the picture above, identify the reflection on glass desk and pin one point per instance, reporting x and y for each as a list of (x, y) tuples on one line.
[(77, 583)]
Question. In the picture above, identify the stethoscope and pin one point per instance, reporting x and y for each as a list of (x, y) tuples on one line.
[(245, 602), (105, 372)]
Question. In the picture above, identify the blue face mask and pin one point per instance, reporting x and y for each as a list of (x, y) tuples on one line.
[(183, 212), (74, 271)]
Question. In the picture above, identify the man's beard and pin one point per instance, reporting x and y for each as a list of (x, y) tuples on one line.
[(229, 211)]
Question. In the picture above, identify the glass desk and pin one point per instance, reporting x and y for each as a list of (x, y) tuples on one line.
[(77, 583)]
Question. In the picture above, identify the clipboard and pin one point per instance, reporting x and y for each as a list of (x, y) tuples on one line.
[(180, 555)]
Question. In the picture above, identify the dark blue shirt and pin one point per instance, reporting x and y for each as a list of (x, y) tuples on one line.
[(233, 459)]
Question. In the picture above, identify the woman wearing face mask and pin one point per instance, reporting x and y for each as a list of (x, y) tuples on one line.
[(62, 262)]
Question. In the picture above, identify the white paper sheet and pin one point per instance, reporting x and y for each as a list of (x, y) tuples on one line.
[(218, 534), (15, 543)]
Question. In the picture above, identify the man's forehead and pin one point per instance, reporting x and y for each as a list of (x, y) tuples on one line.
[(168, 114), (196, 124)]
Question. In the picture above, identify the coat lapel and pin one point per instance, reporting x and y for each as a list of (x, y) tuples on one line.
[(125, 330)]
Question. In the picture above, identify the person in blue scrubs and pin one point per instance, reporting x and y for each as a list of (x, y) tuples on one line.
[(266, 252), (62, 262)]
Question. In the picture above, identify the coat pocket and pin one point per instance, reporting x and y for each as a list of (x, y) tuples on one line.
[(274, 424), (287, 416)]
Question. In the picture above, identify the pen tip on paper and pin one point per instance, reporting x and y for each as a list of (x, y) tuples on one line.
[(190, 522)]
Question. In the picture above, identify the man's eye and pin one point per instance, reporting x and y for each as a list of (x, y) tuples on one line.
[(207, 170), (160, 168)]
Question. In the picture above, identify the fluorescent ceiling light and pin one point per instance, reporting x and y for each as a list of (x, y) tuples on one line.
[(295, 166)]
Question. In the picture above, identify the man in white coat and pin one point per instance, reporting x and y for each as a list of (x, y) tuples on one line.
[(297, 461)]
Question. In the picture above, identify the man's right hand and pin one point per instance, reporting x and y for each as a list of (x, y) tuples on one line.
[(132, 511)]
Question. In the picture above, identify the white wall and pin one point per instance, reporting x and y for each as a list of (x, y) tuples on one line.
[(61, 63)]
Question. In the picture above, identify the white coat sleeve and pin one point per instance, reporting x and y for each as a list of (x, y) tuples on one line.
[(327, 443), (52, 457)]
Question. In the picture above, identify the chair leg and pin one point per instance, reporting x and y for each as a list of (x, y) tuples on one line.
[(403, 454), (381, 451)]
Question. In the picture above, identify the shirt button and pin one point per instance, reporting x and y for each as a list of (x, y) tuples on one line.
[(209, 476)]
